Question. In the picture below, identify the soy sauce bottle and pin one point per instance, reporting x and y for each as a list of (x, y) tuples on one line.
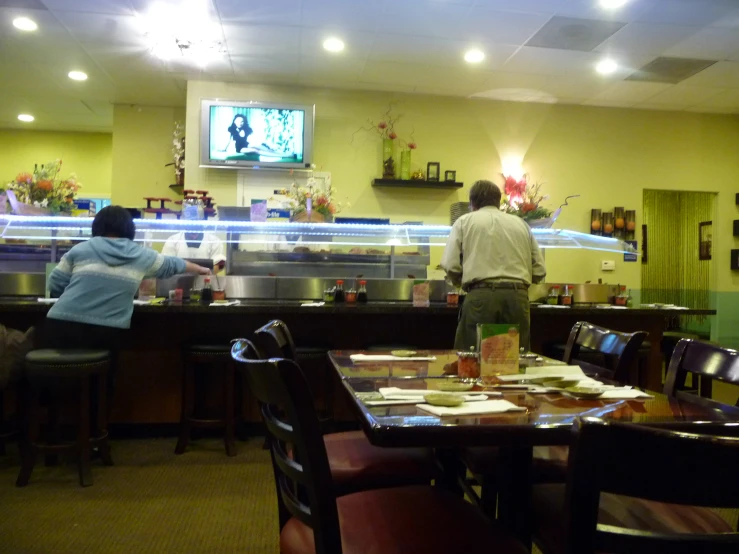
[(362, 292), (206, 295), (339, 293)]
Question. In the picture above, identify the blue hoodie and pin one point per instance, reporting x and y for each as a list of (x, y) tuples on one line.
[(96, 280)]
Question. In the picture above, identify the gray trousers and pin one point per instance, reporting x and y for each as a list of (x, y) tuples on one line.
[(492, 306)]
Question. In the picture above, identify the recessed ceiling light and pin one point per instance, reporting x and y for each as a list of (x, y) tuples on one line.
[(606, 67), (474, 56), (333, 44), (24, 24), (77, 75), (612, 4), (27, 118)]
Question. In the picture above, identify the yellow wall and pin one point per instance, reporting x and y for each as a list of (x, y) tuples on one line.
[(608, 156), (142, 146), (86, 154)]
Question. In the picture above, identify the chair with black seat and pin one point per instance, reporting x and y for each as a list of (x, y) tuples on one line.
[(355, 463), (622, 494), (705, 362), (207, 357), (58, 373), (312, 520), (619, 351)]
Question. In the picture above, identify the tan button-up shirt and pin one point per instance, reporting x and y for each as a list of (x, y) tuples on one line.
[(490, 244)]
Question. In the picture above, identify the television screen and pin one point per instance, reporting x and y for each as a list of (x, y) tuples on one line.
[(256, 134)]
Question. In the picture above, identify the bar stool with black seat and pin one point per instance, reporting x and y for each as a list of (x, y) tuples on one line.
[(313, 519), (60, 373), (207, 357), (355, 463), (619, 351)]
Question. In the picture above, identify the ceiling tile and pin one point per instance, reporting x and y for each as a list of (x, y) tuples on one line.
[(516, 95), (708, 43), (591, 9), (547, 7), (23, 4), (547, 61), (273, 66), (119, 7), (261, 40), (426, 18), (726, 100), (670, 70), (97, 28), (344, 15), (684, 95), (567, 33), (605, 103), (721, 74), (505, 27), (630, 92), (330, 68), (658, 107), (274, 12), (689, 12), (646, 38), (404, 74)]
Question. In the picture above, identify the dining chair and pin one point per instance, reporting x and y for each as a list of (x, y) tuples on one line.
[(622, 495), (619, 351), (355, 463), (705, 361), (313, 520)]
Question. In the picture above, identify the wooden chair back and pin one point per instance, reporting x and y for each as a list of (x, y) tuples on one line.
[(619, 349), (299, 459), (275, 340), (706, 361), (600, 457)]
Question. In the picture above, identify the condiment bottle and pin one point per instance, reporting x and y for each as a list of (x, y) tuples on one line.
[(468, 364), (362, 292), (629, 300), (350, 296), (622, 297), (339, 292), (566, 298), (206, 295), (553, 297)]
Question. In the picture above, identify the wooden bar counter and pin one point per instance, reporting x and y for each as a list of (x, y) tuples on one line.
[(149, 375)]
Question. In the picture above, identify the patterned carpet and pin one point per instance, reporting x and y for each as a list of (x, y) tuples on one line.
[(151, 501)]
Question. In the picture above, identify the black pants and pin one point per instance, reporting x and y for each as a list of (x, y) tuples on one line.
[(59, 334), (486, 305)]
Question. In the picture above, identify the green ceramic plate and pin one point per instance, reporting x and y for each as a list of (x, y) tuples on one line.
[(454, 386), (403, 353), (562, 383), (441, 399), (584, 392)]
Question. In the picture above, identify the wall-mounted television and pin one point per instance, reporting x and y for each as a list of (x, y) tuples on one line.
[(256, 134)]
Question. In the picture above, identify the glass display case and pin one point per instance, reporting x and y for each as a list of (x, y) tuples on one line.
[(280, 249)]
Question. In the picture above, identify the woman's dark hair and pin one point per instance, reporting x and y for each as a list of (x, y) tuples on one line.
[(114, 222), (484, 193), (234, 130)]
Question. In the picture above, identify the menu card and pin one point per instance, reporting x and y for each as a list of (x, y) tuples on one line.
[(498, 347)]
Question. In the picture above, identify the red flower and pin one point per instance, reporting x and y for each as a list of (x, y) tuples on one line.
[(527, 207), (45, 184), (392, 135), (515, 189), (382, 125), (24, 178), (412, 146)]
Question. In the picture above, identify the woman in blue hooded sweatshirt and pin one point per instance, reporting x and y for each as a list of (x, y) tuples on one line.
[(96, 282)]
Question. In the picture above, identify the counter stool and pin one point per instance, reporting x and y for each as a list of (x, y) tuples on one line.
[(59, 372), (8, 429), (207, 357)]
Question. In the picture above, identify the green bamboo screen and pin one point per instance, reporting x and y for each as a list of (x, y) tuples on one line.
[(673, 273)]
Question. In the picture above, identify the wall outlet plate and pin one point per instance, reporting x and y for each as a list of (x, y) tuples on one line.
[(608, 265)]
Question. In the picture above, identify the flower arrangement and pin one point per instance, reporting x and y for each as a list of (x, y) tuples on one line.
[(307, 198), (178, 152), (45, 189), (523, 199)]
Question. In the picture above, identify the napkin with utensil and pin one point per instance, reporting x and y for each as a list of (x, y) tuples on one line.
[(473, 408), (390, 358)]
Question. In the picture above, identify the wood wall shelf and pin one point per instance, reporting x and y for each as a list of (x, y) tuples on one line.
[(179, 189), (416, 183)]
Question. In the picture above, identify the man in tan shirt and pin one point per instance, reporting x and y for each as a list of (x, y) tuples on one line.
[(495, 258)]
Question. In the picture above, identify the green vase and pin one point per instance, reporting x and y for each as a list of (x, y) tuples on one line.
[(405, 165), (388, 159)]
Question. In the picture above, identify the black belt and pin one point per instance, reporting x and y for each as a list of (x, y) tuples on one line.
[(513, 285)]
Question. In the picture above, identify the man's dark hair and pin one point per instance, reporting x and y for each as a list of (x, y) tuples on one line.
[(114, 222), (484, 193)]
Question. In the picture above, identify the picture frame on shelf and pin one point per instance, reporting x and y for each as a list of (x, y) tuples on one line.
[(450, 176), (705, 240), (433, 169)]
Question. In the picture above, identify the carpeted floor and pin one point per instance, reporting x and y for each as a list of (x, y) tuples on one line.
[(151, 501)]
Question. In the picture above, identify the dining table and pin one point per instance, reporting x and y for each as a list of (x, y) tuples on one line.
[(537, 419)]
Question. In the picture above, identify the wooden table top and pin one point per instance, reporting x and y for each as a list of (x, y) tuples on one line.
[(547, 420)]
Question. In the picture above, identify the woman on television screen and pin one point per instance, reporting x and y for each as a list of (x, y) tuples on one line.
[(239, 133)]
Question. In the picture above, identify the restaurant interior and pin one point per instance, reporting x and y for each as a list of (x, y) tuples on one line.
[(308, 394)]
